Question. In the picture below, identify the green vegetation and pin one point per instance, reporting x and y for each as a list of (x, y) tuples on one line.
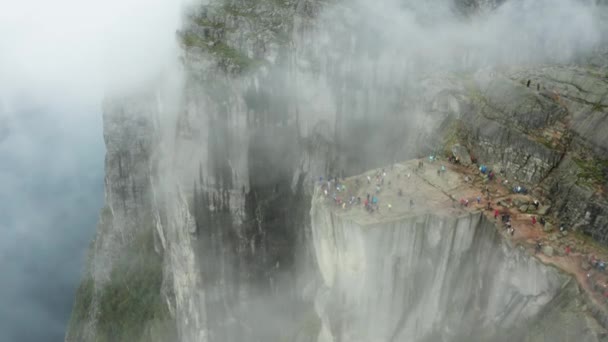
[(221, 34), (239, 11), (598, 107), (131, 303), (227, 56), (84, 294), (83, 300), (204, 22), (234, 56), (546, 142), (588, 241), (592, 171), (454, 134)]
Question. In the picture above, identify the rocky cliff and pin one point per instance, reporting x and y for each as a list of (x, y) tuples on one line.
[(432, 272), (206, 233)]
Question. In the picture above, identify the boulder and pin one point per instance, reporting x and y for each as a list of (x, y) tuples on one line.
[(585, 265), (565, 233), (548, 251), (523, 208), (462, 153), (543, 210), (548, 227)]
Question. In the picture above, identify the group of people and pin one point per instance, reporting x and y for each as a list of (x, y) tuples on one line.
[(596, 282), (597, 264), (452, 159), (506, 221), (337, 190), (441, 170)]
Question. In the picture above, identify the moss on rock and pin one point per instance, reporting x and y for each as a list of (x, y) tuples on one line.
[(592, 171), (130, 304)]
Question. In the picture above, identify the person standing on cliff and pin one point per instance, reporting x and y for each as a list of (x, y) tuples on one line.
[(495, 214), (533, 220)]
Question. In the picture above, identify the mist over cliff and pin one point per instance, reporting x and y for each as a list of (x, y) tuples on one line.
[(210, 230), (58, 61)]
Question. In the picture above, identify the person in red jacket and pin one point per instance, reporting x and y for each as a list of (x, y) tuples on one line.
[(496, 214), (533, 220)]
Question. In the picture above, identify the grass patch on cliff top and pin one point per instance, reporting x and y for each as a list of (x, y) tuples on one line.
[(131, 302)]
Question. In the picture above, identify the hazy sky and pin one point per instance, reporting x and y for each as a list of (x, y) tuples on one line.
[(57, 60)]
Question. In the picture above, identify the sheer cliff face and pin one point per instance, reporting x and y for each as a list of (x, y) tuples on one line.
[(434, 278), (206, 234)]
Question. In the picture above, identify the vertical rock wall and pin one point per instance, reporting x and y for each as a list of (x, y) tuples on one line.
[(429, 278)]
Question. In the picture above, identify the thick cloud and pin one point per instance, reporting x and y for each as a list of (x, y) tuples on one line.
[(57, 60)]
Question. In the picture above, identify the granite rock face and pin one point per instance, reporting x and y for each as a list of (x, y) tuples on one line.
[(433, 277), (537, 136), (209, 178)]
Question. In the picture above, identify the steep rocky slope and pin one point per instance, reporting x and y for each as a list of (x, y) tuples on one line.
[(206, 234)]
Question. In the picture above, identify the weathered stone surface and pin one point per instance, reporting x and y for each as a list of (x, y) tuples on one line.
[(462, 154), (548, 227), (544, 209), (523, 208), (359, 235), (527, 133), (585, 265), (548, 250)]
